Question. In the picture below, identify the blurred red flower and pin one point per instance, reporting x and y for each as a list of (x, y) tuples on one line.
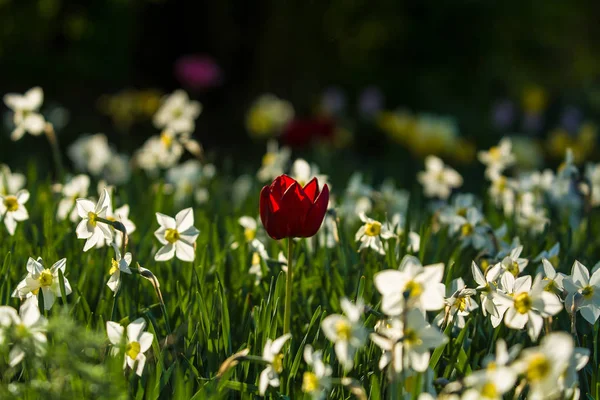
[(302, 132)]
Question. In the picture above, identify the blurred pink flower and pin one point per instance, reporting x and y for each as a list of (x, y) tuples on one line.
[(198, 72)]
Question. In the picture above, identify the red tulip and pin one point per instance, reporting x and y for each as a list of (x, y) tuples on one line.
[(289, 210)]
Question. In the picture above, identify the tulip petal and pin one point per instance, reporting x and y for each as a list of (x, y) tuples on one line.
[(294, 209), (311, 189), (316, 213), (266, 213), (280, 185)]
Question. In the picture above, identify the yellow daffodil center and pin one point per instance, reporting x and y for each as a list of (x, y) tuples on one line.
[(466, 229), (310, 382), (513, 268), (373, 228), (411, 337), (550, 286), (489, 391), (255, 258), (462, 212), (413, 288), (492, 366), (166, 139), (269, 159), (177, 113), (114, 267), (343, 329), (461, 303), (45, 278), (523, 302), (133, 349), (278, 363), (538, 368), (500, 183), (11, 203), (92, 218), (171, 235), (249, 234), (21, 331), (495, 153), (587, 292)]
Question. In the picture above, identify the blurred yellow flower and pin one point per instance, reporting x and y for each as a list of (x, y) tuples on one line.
[(268, 115), (534, 99)]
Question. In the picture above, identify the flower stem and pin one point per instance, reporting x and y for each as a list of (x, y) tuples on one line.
[(287, 315), (51, 135)]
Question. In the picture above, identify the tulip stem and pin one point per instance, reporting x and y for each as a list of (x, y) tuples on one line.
[(287, 315)]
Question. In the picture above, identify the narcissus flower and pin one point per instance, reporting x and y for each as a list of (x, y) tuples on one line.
[(137, 342), (289, 210), (89, 227), (45, 279), (26, 115), (177, 235), (12, 209), (25, 332), (272, 355)]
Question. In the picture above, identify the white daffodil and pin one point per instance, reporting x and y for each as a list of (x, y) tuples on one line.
[(495, 379), (256, 267), (90, 153), (27, 117), (528, 304), (513, 263), (569, 380), (396, 226), (347, 332), (530, 215), (177, 113), (137, 342), (498, 158), (45, 279), (10, 182), (491, 303), (543, 366), (458, 304), (412, 285), (120, 214), (470, 227), (393, 200), (371, 233), (25, 331), (587, 288), (118, 264), (552, 279), (75, 188), (185, 178), (438, 180), (12, 209), (387, 336), (177, 235), (502, 193), (592, 173), (272, 355), (317, 382), (406, 345), (158, 152), (303, 172), (90, 228), (273, 162), (117, 170)]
